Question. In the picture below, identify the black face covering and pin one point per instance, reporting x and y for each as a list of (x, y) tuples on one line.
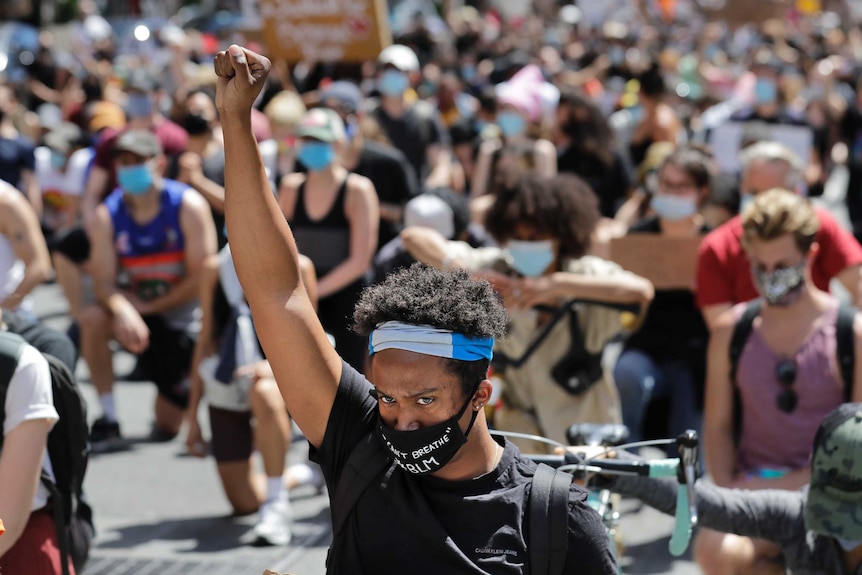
[(195, 124), (428, 449)]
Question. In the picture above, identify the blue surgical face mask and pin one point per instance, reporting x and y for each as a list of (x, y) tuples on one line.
[(765, 91), (848, 544), (393, 83), (58, 160), (531, 259), (139, 106), (511, 123), (673, 208), (135, 180), (316, 155), (745, 201)]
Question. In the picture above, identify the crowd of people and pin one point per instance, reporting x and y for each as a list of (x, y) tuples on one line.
[(460, 200)]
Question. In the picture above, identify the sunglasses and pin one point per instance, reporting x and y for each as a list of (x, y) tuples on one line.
[(785, 373)]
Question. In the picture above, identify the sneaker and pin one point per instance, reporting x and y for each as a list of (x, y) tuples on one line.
[(105, 434), (273, 523)]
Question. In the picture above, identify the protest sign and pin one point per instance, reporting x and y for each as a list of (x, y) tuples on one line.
[(741, 12), (725, 142), (669, 263), (325, 30)]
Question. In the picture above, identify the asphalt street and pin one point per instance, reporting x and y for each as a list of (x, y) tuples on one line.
[(161, 512)]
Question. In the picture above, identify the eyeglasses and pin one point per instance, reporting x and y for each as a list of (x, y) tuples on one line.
[(785, 373)]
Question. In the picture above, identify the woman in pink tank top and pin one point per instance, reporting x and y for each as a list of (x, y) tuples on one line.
[(787, 375)]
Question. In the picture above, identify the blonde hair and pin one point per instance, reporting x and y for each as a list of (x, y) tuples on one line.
[(778, 212), (285, 109)]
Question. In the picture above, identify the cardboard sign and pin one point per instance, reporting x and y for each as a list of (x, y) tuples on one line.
[(740, 12), (669, 263), (725, 142), (325, 30)]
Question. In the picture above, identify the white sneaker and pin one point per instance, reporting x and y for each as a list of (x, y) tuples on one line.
[(273, 523)]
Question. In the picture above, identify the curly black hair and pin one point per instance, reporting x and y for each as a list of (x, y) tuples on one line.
[(564, 206), (451, 300)]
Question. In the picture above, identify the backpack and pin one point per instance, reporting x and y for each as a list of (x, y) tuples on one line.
[(845, 352), (548, 508), (68, 449)]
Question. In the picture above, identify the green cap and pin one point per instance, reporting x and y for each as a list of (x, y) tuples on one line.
[(834, 506), (321, 124)]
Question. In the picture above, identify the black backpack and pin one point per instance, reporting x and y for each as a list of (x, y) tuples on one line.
[(68, 449), (548, 509), (845, 341)]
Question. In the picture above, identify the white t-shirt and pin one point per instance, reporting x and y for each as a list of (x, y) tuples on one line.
[(57, 186), (30, 397)]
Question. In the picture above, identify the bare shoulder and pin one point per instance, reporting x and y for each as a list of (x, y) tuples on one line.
[(291, 182), (357, 182)]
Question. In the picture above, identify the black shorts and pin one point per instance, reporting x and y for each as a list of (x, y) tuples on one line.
[(232, 438), (167, 360), (73, 244)]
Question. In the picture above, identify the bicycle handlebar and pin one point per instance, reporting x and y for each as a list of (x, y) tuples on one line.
[(682, 467)]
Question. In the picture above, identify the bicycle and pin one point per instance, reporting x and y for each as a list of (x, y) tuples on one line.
[(611, 437)]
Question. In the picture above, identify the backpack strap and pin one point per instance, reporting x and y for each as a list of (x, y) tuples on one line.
[(741, 332), (57, 503), (365, 463), (846, 344), (11, 346), (549, 512)]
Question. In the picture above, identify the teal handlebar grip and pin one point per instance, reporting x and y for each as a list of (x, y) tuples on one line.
[(664, 467), (681, 536)]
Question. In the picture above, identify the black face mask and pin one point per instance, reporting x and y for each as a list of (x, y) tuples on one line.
[(428, 449), (195, 124)]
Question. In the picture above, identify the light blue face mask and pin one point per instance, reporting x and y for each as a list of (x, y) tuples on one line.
[(316, 155), (393, 83), (745, 201), (847, 544), (674, 208), (765, 91), (135, 180), (531, 259), (511, 123)]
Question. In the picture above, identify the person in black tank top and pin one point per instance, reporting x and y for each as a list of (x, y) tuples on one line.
[(341, 242)]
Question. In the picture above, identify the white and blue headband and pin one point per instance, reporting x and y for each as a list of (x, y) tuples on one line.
[(429, 341)]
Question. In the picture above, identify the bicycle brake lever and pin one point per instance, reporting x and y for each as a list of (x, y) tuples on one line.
[(687, 444)]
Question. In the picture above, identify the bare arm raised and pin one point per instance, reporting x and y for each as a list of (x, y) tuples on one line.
[(305, 364)]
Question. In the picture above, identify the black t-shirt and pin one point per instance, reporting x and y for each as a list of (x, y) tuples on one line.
[(419, 524), (16, 154), (413, 133), (393, 179), (609, 182), (673, 327)]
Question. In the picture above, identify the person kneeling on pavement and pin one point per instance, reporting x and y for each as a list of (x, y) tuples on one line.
[(149, 242), (228, 368)]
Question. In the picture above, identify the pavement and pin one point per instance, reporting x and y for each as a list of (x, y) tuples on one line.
[(159, 511)]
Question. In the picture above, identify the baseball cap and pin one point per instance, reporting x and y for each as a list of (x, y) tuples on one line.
[(63, 137), (430, 212), (344, 95), (139, 142), (321, 124), (106, 114), (399, 56), (835, 493)]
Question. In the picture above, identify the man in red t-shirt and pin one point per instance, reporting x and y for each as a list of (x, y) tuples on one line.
[(723, 269)]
